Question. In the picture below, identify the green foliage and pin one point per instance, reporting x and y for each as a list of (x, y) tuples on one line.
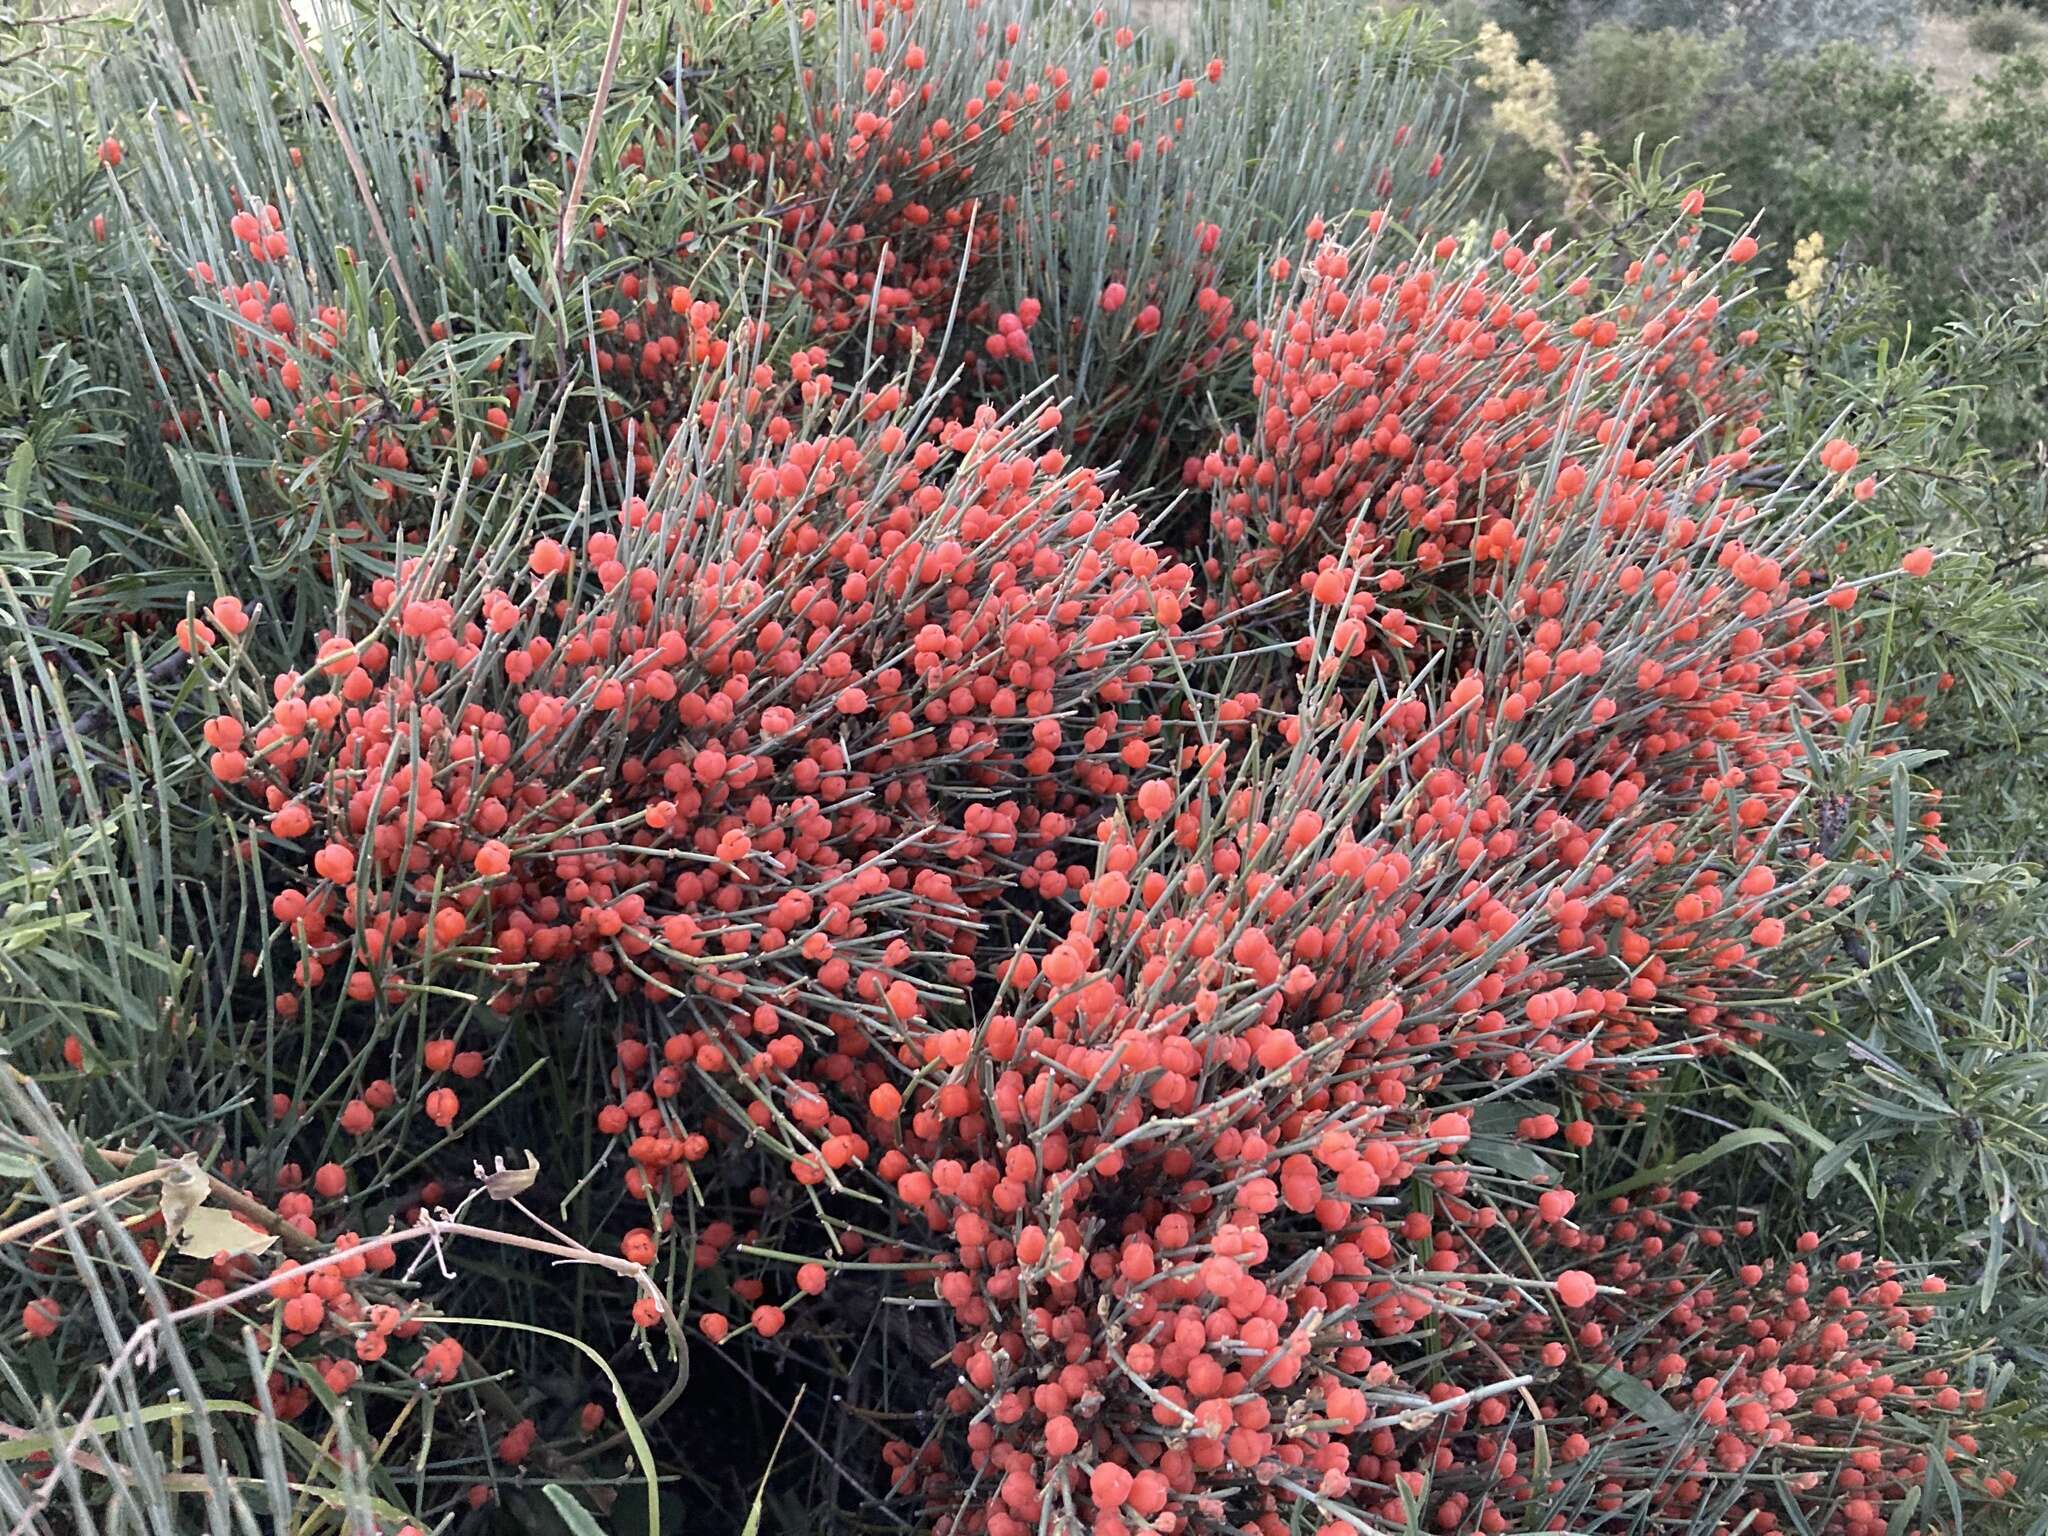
[(1945, 204), (1623, 85), (1947, 200), (1762, 29)]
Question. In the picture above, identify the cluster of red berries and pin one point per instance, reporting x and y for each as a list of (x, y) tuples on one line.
[(1214, 964), (1804, 1369), (1169, 1176), (1413, 414), (1017, 188), (902, 185), (765, 749), (849, 691)]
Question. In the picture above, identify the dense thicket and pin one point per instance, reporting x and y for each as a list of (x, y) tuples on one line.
[(969, 768)]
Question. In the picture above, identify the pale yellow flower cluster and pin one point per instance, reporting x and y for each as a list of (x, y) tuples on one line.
[(1524, 92), (1809, 269)]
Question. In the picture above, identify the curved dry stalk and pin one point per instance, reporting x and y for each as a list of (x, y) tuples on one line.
[(355, 164), (604, 91)]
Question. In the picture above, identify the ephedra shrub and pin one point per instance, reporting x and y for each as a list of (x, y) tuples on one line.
[(1151, 1005), (1349, 950), (1054, 201), (851, 674)]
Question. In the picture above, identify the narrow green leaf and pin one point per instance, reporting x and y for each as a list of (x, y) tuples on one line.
[(1664, 1173), (642, 1451), (1831, 1164), (1637, 1397), (574, 1515), (1510, 1157), (753, 1522)]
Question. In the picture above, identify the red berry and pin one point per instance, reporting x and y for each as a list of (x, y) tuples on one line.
[(1575, 1288), (1110, 1484), (336, 862), (1556, 1204)]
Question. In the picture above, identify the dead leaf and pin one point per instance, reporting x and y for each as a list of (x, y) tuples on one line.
[(210, 1230), (509, 1183), (182, 1191)]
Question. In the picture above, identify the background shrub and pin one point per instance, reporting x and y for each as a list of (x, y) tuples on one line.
[(1840, 139), (1554, 29), (2006, 30)]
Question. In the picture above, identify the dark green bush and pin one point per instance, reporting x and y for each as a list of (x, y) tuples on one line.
[(1623, 84), (2005, 30), (1951, 205)]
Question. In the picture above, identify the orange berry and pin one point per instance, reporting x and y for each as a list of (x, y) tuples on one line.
[(1110, 1484), (336, 862), (1575, 1288)]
